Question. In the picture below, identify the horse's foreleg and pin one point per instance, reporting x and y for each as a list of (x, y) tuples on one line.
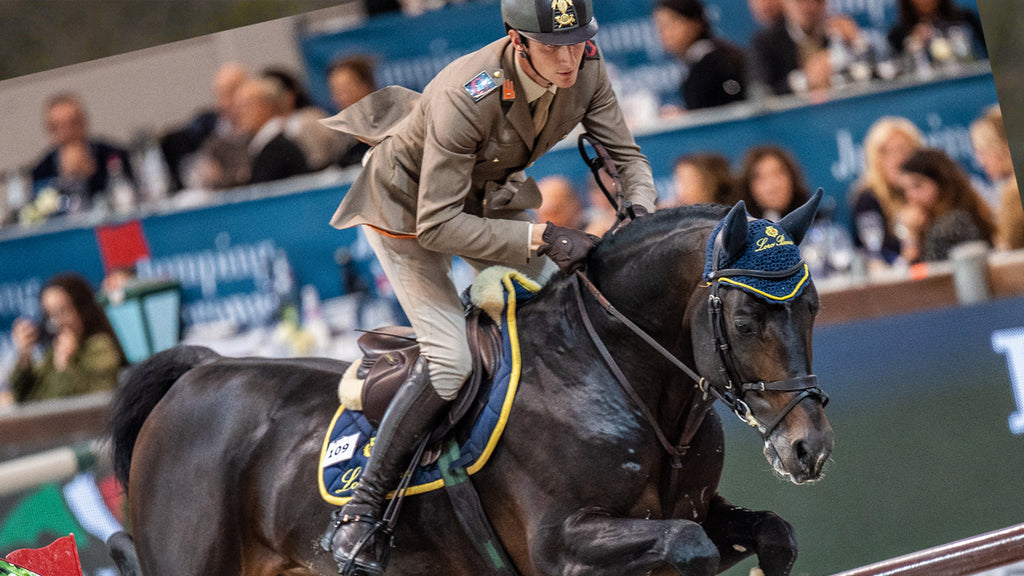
[(594, 543), (739, 532)]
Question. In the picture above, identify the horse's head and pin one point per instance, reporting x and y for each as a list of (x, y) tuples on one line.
[(751, 328), (746, 320)]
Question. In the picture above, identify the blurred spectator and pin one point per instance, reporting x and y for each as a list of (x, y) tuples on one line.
[(794, 54), (937, 30), (79, 350), (771, 182), (561, 204), (601, 214), (1010, 222), (716, 69), (702, 179), (321, 145), (77, 165), (992, 153), (942, 209), (274, 156), (877, 197), (765, 12), (350, 79), (213, 124)]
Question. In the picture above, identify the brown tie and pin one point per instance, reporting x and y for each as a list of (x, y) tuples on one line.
[(540, 111)]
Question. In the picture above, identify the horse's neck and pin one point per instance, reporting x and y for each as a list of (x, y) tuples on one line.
[(661, 387), (657, 299)]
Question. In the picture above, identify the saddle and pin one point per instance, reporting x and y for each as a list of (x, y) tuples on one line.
[(389, 354)]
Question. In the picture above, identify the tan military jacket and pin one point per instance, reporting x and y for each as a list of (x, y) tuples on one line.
[(447, 169)]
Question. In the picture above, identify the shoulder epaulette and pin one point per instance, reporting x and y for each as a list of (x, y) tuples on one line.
[(483, 84)]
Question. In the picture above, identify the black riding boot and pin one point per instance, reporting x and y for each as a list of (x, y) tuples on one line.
[(408, 419)]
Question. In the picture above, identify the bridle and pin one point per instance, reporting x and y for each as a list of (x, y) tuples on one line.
[(733, 389)]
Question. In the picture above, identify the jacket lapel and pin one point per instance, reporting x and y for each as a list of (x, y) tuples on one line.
[(518, 113)]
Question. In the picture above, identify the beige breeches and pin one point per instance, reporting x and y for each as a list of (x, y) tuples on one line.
[(422, 280)]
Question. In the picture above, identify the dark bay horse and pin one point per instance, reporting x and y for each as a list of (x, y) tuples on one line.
[(219, 455)]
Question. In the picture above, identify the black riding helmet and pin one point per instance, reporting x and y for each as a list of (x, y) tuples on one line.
[(551, 22)]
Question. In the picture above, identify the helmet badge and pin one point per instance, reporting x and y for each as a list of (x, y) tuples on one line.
[(563, 13)]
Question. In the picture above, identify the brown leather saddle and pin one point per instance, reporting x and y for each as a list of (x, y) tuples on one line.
[(389, 354)]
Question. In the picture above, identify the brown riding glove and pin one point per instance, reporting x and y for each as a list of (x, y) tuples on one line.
[(568, 248)]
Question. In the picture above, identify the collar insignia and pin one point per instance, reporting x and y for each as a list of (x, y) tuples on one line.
[(508, 90)]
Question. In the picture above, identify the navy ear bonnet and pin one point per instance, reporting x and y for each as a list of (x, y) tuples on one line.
[(769, 248)]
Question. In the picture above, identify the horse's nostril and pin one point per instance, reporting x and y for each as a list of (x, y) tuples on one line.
[(803, 455)]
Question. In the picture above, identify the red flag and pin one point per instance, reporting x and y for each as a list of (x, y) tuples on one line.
[(58, 559)]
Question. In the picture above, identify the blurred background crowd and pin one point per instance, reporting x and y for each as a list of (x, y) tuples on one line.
[(912, 202), (191, 180)]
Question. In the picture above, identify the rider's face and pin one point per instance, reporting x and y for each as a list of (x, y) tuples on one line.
[(558, 65)]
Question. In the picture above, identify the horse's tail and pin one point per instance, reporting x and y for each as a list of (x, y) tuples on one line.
[(140, 389)]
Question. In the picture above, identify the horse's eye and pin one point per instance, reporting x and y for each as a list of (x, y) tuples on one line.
[(744, 325)]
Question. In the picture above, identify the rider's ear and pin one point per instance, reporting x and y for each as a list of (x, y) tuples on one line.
[(517, 41), (734, 231), (798, 221)]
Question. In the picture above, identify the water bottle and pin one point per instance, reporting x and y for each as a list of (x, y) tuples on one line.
[(151, 169), (313, 320), (120, 192)]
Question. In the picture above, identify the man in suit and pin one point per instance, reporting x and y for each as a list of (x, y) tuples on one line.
[(76, 165), (274, 156), (793, 54), (444, 178)]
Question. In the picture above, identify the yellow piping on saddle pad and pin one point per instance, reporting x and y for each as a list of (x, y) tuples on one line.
[(506, 280)]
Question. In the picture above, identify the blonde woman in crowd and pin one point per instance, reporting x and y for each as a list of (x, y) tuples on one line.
[(992, 153), (877, 196), (1010, 220)]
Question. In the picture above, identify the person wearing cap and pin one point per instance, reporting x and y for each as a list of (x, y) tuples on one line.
[(445, 177), (715, 68)]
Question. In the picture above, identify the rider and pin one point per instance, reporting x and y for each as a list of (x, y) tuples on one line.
[(444, 177)]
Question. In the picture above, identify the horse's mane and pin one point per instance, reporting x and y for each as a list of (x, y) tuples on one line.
[(661, 224)]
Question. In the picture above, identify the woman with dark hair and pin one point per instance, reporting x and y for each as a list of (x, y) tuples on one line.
[(84, 354), (942, 208), (771, 182), (702, 178), (923, 21), (716, 68)]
